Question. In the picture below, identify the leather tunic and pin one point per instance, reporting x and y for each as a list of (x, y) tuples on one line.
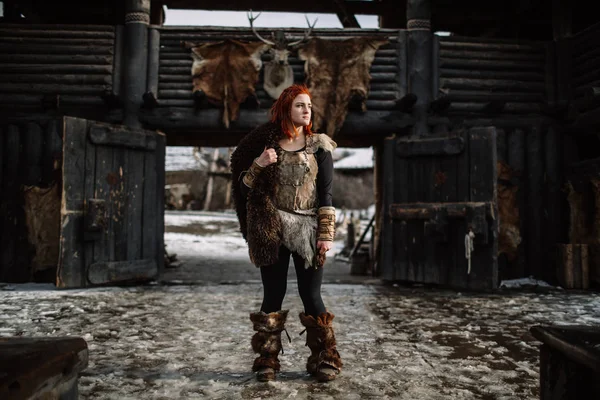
[(297, 188)]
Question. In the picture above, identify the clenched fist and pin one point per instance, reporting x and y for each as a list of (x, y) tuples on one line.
[(268, 157)]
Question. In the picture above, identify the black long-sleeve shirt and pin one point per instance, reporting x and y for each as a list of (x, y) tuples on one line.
[(324, 178)]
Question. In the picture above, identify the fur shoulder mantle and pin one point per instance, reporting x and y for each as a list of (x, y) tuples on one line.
[(320, 141)]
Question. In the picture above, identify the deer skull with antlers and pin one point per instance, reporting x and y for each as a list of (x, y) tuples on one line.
[(278, 73)]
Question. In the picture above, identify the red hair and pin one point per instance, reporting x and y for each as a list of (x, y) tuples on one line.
[(280, 111)]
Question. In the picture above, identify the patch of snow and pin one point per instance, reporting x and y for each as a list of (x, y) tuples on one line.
[(181, 158), (159, 342), (183, 218), (523, 283), (357, 159)]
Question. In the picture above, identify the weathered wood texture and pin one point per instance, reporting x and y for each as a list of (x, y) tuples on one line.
[(387, 267), (205, 127), (583, 59), (113, 194), (573, 266), (530, 201), (41, 368), (436, 199), (569, 362), (41, 62), (30, 162), (492, 76), (583, 215)]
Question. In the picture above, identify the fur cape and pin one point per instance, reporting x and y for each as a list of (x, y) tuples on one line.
[(260, 223)]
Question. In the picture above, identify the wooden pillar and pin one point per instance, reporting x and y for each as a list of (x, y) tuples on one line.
[(229, 181), (562, 19), (137, 18), (392, 17), (573, 270), (420, 65), (211, 178), (157, 13)]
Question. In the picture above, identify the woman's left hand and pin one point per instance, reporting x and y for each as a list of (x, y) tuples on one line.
[(324, 246)]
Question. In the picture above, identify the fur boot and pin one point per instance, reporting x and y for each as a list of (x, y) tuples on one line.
[(324, 362), (267, 343)]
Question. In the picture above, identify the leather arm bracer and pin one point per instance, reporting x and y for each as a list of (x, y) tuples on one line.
[(252, 173), (326, 224)]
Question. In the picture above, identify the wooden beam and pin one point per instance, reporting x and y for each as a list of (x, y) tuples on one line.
[(109, 135), (406, 211), (420, 65), (218, 139), (353, 7), (410, 147), (121, 271), (41, 367), (377, 123), (347, 19), (157, 14)]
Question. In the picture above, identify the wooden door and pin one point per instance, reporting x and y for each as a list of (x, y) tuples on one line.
[(436, 190), (112, 213)]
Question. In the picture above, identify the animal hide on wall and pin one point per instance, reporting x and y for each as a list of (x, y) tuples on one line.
[(226, 72), (337, 70), (509, 235), (42, 216), (277, 78)]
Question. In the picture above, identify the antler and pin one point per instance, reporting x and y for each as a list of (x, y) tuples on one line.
[(252, 19), (306, 33)]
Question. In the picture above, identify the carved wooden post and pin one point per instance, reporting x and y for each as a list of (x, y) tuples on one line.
[(420, 74), (137, 18)]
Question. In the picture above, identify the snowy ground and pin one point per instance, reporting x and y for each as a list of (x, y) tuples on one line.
[(211, 249), (180, 340)]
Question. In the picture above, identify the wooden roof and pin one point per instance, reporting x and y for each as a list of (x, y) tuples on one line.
[(522, 19)]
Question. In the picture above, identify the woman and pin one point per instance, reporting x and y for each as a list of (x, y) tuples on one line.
[(283, 202)]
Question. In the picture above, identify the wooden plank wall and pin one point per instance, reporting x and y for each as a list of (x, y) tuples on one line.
[(39, 62), (30, 154), (474, 72), (509, 84), (126, 173), (420, 253), (585, 70), (530, 183), (580, 80)]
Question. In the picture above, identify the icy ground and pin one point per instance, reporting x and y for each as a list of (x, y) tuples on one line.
[(192, 341)]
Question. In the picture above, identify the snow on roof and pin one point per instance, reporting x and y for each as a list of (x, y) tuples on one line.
[(357, 159), (181, 158)]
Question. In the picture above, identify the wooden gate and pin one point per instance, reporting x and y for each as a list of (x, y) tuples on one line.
[(112, 213), (438, 190)]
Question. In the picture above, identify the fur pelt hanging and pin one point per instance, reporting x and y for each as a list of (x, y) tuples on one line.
[(227, 72), (337, 70)]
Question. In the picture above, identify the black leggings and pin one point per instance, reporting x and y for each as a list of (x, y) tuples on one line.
[(274, 279)]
